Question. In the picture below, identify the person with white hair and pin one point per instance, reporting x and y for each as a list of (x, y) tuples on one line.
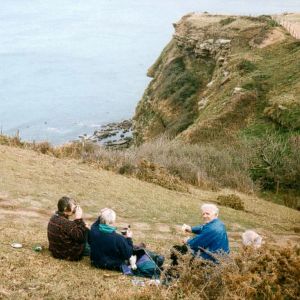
[(210, 237), (109, 249), (251, 238)]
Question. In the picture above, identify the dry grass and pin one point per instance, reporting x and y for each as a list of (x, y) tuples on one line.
[(31, 183)]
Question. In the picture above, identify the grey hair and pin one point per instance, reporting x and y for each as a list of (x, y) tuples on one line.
[(251, 238), (211, 207), (107, 216)]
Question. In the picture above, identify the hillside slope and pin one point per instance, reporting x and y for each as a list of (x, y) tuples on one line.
[(30, 185), (220, 76)]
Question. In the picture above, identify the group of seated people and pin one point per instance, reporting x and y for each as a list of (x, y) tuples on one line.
[(71, 239)]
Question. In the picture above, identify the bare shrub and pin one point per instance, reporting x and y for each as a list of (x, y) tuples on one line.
[(205, 165), (11, 141), (276, 163), (232, 200), (156, 174), (266, 273), (44, 147), (209, 166)]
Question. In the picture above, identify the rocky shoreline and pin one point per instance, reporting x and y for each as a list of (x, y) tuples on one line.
[(116, 135)]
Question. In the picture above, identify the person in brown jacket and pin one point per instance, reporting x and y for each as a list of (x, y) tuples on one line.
[(67, 239)]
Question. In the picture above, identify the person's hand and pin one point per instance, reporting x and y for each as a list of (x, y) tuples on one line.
[(186, 228), (78, 212), (185, 240), (128, 233)]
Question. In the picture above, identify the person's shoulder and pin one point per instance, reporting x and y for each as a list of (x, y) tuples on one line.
[(95, 225), (55, 218), (215, 224), (119, 237), (218, 225)]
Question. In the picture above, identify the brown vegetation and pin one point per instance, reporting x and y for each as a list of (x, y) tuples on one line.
[(247, 165), (267, 273), (30, 185), (232, 201)]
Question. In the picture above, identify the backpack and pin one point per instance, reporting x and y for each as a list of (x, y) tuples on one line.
[(149, 265)]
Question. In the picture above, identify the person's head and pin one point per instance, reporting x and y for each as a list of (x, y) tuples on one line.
[(66, 206), (107, 216), (251, 238), (209, 212)]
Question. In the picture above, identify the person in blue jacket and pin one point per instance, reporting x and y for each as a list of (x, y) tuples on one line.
[(109, 249), (210, 237)]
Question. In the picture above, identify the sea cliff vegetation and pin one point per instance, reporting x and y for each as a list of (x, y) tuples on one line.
[(222, 110), (230, 87)]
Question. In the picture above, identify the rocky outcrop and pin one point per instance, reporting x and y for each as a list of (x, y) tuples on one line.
[(115, 135), (214, 78)]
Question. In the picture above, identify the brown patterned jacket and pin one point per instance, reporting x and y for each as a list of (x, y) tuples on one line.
[(66, 238)]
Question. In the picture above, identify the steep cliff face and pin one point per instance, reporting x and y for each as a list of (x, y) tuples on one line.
[(220, 75)]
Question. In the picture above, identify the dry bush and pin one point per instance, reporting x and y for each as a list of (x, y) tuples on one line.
[(208, 166), (44, 148), (127, 163), (267, 273), (232, 200), (276, 163), (74, 150), (154, 173), (11, 141), (176, 163), (205, 165)]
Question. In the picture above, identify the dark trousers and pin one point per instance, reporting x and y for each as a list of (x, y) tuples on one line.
[(182, 249)]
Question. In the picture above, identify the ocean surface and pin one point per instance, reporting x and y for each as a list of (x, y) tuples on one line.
[(67, 67)]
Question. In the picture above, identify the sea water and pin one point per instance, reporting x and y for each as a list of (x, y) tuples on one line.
[(67, 67)]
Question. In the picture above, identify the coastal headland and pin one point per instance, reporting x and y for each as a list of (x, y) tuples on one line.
[(218, 123)]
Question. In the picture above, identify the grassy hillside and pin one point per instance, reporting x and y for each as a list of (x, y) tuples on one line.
[(30, 185), (228, 83)]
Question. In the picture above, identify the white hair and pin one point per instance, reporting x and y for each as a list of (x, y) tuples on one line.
[(210, 207), (107, 216), (251, 238)]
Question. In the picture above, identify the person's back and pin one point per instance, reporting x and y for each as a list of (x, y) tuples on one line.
[(109, 250), (66, 238)]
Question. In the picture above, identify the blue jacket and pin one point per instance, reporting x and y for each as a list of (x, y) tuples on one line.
[(211, 236), (108, 248)]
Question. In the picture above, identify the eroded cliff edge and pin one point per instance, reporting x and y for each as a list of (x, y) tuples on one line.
[(221, 75)]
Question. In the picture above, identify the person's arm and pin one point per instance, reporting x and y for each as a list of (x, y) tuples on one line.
[(76, 230), (204, 239), (197, 229), (125, 247)]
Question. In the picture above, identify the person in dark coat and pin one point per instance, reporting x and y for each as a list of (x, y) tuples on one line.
[(67, 239), (109, 250)]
